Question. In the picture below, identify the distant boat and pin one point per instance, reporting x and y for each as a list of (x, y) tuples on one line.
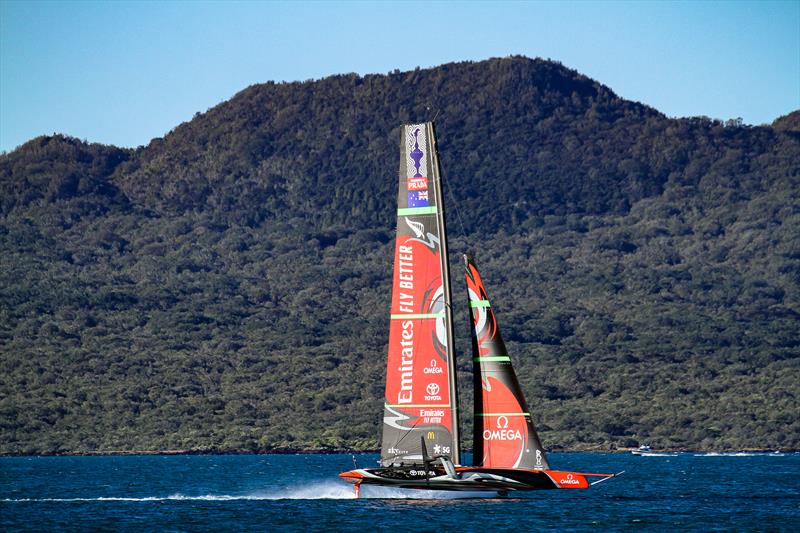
[(642, 449), (421, 444), (645, 451)]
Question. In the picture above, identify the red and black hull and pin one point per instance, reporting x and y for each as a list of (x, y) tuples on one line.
[(470, 478)]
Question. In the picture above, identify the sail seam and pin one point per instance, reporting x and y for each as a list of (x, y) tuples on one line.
[(497, 358)]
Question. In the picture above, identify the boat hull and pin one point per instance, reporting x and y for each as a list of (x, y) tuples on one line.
[(470, 478)]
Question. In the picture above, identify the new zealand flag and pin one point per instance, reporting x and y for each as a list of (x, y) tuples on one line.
[(418, 199)]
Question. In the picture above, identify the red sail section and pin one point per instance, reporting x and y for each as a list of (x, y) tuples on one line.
[(418, 401), (505, 436)]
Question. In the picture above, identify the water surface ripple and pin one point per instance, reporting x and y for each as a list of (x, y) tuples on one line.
[(683, 492)]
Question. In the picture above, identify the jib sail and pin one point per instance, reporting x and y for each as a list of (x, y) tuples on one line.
[(505, 436), (421, 397)]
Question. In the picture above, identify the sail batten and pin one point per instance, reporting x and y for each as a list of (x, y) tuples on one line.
[(417, 315), (408, 211), (421, 398)]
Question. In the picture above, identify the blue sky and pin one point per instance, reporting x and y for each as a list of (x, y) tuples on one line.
[(125, 72)]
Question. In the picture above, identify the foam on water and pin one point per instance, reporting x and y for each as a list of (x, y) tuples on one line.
[(321, 490), (740, 454), (332, 490), (392, 493), (314, 490), (173, 497)]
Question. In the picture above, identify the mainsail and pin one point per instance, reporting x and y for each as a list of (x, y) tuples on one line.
[(421, 398), (505, 436)]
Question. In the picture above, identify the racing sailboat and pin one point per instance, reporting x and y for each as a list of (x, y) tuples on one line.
[(420, 447)]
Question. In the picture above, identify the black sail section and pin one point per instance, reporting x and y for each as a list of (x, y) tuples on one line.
[(505, 436), (420, 400)]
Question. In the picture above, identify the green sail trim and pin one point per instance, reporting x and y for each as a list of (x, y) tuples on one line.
[(416, 406), (417, 315), (406, 211), (495, 358), (479, 303)]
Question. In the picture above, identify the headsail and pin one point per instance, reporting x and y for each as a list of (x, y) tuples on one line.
[(421, 398), (505, 436)]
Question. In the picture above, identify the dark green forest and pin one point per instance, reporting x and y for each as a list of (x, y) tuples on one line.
[(226, 287)]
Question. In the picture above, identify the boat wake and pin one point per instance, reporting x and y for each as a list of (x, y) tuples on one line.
[(393, 493), (313, 491), (327, 490), (740, 454), (173, 497)]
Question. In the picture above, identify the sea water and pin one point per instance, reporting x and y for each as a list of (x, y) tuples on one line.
[(676, 492)]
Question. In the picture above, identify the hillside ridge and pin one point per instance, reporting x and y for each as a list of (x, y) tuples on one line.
[(226, 287)]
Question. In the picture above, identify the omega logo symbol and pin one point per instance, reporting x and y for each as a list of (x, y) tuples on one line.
[(432, 388), (434, 368), (570, 481), (502, 432)]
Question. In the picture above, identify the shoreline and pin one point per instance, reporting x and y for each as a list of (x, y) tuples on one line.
[(344, 451)]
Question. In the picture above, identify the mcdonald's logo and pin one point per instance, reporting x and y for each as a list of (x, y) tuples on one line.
[(431, 435)]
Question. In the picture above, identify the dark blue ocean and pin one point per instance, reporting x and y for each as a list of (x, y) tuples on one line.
[(682, 492)]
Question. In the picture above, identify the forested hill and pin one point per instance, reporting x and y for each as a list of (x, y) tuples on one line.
[(226, 287)]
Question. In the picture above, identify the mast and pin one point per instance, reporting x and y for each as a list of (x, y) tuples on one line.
[(448, 301)]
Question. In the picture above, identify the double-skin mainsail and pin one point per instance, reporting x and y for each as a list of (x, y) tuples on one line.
[(421, 401)]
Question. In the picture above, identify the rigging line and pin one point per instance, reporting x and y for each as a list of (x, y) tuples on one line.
[(428, 108), (450, 189), (606, 478), (455, 203), (410, 430)]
